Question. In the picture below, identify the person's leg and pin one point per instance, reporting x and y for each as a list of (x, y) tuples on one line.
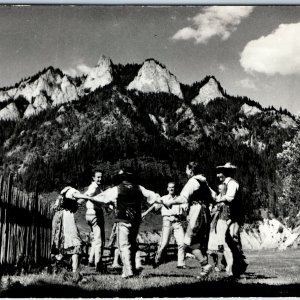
[(164, 240), (179, 238), (134, 245), (125, 248), (89, 220), (115, 263), (138, 260), (199, 256), (75, 262), (97, 243), (227, 248), (99, 239)]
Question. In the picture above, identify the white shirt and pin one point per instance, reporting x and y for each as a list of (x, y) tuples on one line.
[(174, 210), (110, 195), (93, 190), (193, 185), (232, 188), (70, 192)]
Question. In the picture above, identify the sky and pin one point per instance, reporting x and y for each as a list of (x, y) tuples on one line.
[(252, 51)]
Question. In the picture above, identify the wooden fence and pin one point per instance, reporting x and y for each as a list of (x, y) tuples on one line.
[(25, 226)]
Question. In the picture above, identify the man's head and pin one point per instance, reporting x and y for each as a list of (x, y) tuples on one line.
[(127, 174), (192, 169), (97, 178), (228, 170), (171, 188)]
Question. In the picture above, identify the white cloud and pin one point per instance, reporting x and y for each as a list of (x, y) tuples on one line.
[(278, 52), (214, 21), (83, 68), (78, 70), (247, 83), (72, 72)]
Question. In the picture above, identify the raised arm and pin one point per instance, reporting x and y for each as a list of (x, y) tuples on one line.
[(150, 196)]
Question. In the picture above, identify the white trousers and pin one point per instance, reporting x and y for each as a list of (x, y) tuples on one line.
[(168, 228), (127, 235), (97, 226)]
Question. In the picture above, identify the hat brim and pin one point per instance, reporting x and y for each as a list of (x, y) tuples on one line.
[(226, 167)]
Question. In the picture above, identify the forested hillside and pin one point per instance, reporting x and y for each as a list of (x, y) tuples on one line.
[(157, 133)]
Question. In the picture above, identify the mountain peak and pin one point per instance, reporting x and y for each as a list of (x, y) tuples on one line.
[(100, 75), (209, 91), (154, 77)]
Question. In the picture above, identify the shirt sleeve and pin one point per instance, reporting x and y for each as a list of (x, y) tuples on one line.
[(92, 190), (190, 187), (232, 188), (108, 196), (149, 195), (70, 192)]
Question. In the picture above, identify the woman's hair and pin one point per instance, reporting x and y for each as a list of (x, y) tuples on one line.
[(195, 167)]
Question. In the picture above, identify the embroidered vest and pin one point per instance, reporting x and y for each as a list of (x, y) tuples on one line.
[(129, 203)]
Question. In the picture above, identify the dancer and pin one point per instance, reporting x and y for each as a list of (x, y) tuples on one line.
[(127, 197), (173, 218), (198, 195), (95, 219)]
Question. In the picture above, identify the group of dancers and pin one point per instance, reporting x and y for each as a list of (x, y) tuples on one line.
[(211, 235)]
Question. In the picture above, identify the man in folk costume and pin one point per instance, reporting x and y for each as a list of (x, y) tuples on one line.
[(127, 197), (95, 219), (231, 197), (197, 194)]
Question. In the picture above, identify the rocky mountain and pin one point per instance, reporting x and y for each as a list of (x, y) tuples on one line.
[(155, 78), (208, 92), (99, 76), (55, 129)]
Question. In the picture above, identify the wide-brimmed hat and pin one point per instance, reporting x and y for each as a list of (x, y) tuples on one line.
[(227, 166)]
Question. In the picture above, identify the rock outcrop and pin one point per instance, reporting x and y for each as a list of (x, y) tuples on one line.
[(208, 92), (10, 112), (99, 76), (249, 110), (153, 77)]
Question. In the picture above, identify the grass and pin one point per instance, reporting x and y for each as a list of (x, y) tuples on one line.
[(270, 273)]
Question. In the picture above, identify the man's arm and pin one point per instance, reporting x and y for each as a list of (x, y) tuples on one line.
[(92, 190), (150, 196), (152, 207), (107, 197)]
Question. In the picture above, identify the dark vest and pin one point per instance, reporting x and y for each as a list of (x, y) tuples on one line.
[(235, 206), (129, 203), (202, 195)]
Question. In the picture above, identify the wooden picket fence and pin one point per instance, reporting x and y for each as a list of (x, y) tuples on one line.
[(25, 226)]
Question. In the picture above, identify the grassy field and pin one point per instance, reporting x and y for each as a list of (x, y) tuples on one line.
[(270, 273)]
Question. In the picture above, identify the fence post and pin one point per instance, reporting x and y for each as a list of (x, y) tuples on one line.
[(2, 209), (7, 221)]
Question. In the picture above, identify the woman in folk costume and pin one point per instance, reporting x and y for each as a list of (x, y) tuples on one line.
[(230, 221), (198, 195), (65, 236), (218, 227)]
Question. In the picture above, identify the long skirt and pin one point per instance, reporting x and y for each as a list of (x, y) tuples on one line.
[(65, 236), (197, 232)]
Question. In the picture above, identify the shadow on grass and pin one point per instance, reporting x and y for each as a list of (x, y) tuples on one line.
[(224, 288)]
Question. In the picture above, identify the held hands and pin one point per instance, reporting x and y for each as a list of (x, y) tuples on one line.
[(167, 202), (144, 214), (201, 178)]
